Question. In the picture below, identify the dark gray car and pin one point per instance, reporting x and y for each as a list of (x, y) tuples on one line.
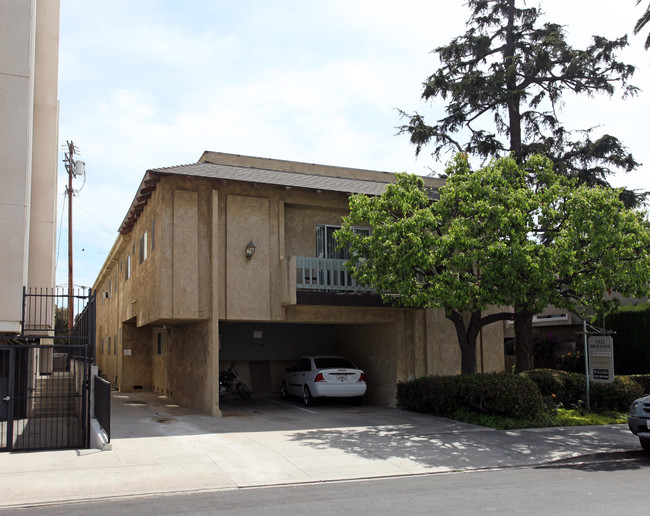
[(639, 421)]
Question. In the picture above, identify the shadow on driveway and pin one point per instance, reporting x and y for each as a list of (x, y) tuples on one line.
[(388, 437)]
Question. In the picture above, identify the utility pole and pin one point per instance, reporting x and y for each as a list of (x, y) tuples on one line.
[(74, 169)]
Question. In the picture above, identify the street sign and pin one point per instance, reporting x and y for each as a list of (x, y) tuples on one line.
[(601, 358)]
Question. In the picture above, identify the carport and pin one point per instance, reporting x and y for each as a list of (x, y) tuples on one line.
[(261, 352)]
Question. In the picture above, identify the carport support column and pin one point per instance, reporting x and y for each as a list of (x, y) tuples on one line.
[(213, 376)]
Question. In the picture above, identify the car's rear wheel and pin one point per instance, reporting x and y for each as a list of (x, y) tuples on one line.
[(307, 398), (645, 444), (283, 391)]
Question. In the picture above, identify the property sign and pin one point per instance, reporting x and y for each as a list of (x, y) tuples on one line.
[(601, 358)]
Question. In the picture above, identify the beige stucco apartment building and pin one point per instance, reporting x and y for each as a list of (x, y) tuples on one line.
[(29, 47), (231, 260)]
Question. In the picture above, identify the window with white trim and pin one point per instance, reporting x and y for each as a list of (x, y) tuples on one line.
[(143, 247)]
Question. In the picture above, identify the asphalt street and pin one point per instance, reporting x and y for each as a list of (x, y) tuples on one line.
[(605, 486)]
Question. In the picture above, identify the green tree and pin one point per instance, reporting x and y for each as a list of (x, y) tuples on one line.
[(642, 22), (60, 324), (503, 82), (480, 245)]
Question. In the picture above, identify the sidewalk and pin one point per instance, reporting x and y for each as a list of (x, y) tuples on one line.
[(158, 447)]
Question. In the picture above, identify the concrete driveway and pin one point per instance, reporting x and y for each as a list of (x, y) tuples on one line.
[(159, 447)]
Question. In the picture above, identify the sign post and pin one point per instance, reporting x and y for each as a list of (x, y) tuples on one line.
[(601, 358)]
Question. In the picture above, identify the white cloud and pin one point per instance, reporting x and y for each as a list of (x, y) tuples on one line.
[(150, 83)]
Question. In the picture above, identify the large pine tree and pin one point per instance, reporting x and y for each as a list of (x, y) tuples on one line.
[(642, 22), (503, 83)]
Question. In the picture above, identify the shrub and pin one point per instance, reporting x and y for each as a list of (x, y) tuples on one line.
[(643, 380), (575, 390), (506, 395), (572, 362), (431, 394), (549, 381), (617, 396), (569, 389), (559, 387)]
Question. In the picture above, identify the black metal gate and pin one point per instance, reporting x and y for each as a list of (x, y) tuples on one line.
[(45, 397), (45, 375)]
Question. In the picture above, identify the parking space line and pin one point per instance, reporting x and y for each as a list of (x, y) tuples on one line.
[(293, 406)]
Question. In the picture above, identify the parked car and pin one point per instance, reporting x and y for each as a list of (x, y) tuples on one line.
[(323, 377), (639, 421)]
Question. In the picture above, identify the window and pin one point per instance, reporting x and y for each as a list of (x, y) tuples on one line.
[(304, 364), (115, 345), (109, 345), (127, 269), (143, 247), (333, 363), (326, 243), (103, 345), (161, 343), (153, 234)]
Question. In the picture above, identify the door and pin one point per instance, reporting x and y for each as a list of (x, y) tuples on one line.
[(297, 376), (6, 395)]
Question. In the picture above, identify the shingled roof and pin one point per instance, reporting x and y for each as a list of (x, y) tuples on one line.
[(256, 176)]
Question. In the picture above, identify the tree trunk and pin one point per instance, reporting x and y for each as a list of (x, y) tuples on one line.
[(523, 338), (467, 346), (514, 115)]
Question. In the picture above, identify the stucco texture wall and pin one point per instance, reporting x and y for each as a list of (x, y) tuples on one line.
[(136, 359), (188, 358), (373, 348), (300, 226), (444, 356), (248, 282)]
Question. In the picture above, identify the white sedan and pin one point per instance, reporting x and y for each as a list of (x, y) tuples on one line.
[(323, 377)]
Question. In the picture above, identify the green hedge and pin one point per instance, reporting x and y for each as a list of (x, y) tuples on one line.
[(643, 380), (617, 396), (525, 396), (569, 389), (559, 387), (632, 339), (492, 393)]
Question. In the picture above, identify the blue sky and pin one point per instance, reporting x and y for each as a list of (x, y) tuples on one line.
[(151, 83)]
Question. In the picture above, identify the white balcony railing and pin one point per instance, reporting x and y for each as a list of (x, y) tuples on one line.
[(325, 275)]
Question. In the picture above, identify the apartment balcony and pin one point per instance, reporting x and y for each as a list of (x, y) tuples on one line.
[(326, 281)]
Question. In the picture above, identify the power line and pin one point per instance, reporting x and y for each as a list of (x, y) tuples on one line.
[(98, 223)]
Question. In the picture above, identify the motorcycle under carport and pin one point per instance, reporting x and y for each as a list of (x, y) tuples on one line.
[(229, 382)]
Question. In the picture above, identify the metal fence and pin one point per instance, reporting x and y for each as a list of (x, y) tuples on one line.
[(45, 397), (45, 372), (102, 405), (326, 275)]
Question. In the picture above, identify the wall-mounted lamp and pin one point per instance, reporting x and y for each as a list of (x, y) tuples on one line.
[(250, 249)]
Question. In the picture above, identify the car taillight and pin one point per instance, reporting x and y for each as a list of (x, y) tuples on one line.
[(319, 378), (362, 378)]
